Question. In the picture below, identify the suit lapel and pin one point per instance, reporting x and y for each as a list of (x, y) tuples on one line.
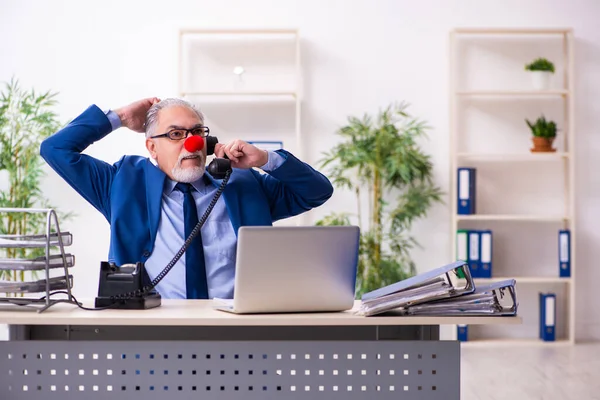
[(231, 200), (155, 180)]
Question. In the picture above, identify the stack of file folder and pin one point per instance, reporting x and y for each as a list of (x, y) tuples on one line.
[(449, 290)]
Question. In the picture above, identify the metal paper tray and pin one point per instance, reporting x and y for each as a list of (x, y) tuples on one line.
[(29, 241), (38, 263), (57, 283)]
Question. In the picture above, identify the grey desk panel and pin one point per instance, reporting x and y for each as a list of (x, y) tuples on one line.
[(122, 333), (226, 370)]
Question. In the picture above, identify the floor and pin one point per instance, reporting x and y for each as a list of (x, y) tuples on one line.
[(531, 372)]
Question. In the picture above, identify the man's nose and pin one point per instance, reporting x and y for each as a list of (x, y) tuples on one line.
[(194, 143)]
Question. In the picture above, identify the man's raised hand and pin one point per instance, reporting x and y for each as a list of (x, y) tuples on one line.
[(133, 116)]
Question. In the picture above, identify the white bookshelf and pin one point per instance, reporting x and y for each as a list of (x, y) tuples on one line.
[(513, 343), (490, 96), (247, 83), (515, 217), (513, 93), (512, 157)]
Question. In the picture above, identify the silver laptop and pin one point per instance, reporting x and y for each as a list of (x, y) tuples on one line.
[(294, 269)]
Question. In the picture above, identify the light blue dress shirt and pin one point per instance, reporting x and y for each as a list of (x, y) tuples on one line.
[(218, 237)]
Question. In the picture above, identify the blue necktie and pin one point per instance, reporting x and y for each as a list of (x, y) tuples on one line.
[(195, 268)]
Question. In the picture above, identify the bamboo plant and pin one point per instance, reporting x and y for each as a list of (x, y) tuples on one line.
[(26, 118), (382, 157)]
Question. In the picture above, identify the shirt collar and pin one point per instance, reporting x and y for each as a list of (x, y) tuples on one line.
[(199, 185)]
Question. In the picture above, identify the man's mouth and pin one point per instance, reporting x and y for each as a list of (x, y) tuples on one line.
[(189, 157)]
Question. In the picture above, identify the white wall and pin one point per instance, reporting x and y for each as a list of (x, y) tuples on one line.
[(358, 56)]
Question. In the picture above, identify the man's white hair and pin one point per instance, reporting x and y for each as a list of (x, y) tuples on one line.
[(152, 114)]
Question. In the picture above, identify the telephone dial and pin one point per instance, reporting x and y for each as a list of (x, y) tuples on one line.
[(124, 286)]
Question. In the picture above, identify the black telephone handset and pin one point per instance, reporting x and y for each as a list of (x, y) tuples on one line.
[(219, 166), (122, 287)]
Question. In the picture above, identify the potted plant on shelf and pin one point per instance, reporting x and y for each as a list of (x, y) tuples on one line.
[(541, 72), (381, 157), (544, 133)]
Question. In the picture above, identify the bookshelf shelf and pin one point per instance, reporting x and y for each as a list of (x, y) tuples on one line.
[(478, 343), (526, 198), (513, 31), (524, 157), (515, 217), (243, 34), (265, 96), (247, 83), (515, 93)]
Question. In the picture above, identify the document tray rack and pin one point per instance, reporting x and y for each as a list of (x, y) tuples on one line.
[(19, 293)]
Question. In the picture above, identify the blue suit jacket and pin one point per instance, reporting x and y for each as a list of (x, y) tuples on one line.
[(129, 192)]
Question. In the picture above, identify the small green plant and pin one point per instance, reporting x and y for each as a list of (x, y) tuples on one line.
[(382, 157), (542, 128), (540, 64)]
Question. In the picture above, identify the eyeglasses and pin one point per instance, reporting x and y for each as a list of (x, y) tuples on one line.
[(182, 133)]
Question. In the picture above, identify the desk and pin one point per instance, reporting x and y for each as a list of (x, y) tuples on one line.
[(185, 349)]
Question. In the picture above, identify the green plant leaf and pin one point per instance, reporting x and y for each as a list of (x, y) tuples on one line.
[(540, 64), (381, 155), (26, 119), (542, 127), (335, 219)]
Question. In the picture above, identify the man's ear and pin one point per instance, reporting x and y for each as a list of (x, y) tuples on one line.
[(151, 146)]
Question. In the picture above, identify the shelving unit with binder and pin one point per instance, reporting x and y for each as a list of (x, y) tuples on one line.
[(513, 209), (53, 265), (248, 85)]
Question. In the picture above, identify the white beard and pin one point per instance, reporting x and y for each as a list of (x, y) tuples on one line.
[(189, 174)]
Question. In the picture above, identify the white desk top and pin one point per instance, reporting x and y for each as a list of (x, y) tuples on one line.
[(201, 313)]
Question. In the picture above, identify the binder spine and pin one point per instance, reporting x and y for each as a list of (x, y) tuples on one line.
[(548, 317), (462, 249), (474, 254), (564, 253), (466, 191), (462, 333), (485, 240)]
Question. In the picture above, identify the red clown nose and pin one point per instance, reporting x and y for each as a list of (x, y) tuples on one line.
[(193, 144)]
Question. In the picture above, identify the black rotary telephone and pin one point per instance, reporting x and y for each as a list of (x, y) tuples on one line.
[(123, 286)]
